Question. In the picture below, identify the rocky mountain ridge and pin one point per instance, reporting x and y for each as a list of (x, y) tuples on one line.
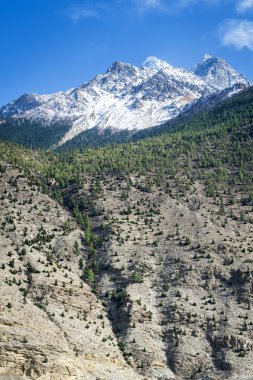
[(127, 97)]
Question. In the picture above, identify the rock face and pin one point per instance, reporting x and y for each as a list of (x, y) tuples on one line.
[(126, 97)]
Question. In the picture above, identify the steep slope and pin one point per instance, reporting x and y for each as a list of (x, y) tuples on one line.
[(51, 324), (125, 98), (166, 243), (179, 262), (232, 106), (177, 272)]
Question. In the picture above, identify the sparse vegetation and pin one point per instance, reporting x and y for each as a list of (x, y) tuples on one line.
[(160, 230)]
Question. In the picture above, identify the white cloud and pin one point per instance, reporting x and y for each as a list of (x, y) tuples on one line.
[(237, 33), (78, 11), (170, 6), (244, 5), (146, 5)]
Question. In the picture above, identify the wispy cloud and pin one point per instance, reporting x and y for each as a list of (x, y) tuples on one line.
[(244, 5), (188, 3), (237, 33), (78, 12), (150, 5), (170, 6)]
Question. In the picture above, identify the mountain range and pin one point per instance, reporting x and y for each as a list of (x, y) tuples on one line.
[(126, 99)]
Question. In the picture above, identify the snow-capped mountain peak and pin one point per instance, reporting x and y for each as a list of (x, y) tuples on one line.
[(216, 71), (126, 97), (120, 67), (206, 57), (155, 63)]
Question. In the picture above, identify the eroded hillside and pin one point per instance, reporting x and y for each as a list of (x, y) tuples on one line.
[(51, 325), (178, 282), (133, 261)]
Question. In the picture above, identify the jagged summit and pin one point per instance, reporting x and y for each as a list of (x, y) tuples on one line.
[(127, 97), (218, 72), (120, 67), (20, 105), (206, 57), (155, 63)]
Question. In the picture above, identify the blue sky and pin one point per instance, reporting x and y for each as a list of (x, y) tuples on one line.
[(54, 45)]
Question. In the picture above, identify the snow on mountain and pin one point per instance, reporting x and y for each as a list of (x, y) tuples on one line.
[(218, 72), (155, 63), (127, 97)]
